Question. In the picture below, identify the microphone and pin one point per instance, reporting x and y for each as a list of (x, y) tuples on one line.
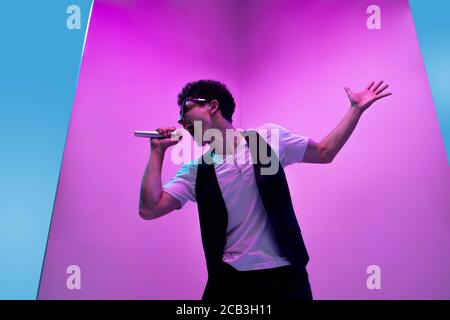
[(155, 134)]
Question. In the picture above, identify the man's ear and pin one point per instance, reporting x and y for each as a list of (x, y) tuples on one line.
[(214, 106)]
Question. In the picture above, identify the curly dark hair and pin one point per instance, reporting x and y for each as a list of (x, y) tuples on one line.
[(210, 90)]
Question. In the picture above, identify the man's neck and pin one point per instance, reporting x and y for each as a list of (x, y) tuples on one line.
[(227, 148)]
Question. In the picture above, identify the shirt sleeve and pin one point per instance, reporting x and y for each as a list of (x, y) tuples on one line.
[(182, 186), (291, 146)]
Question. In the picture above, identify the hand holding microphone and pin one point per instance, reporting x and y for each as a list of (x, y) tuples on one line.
[(157, 134), (161, 138)]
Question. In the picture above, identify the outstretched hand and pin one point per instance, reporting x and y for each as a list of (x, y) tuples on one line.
[(364, 99)]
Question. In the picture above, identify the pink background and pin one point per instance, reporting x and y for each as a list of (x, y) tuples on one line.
[(383, 201)]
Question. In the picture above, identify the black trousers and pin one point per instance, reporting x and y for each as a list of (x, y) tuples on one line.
[(281, 283)]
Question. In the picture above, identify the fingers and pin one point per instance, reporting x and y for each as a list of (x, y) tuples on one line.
[(381, 89), (377, 85), (162, 131), (370, 85), (382, 96), (348, 91), (167, 131)]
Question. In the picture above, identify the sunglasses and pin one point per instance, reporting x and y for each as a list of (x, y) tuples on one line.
[(188, 104)]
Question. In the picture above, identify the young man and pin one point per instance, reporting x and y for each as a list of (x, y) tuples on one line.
[(251, 239)]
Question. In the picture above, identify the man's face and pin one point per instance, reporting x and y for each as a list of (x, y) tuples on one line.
[(194, 110)]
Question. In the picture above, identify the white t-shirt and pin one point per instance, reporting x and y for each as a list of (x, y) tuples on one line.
[(250, 243)]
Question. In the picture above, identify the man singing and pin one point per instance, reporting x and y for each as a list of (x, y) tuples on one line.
[(252, 242)]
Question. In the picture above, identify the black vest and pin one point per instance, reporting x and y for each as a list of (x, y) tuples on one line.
[(274, 192)]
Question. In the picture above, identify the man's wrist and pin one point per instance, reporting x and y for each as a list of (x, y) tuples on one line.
[(158, 151), (357, 111)]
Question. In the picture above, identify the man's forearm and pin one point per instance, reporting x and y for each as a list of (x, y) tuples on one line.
[(151, 187), (336, 139)]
